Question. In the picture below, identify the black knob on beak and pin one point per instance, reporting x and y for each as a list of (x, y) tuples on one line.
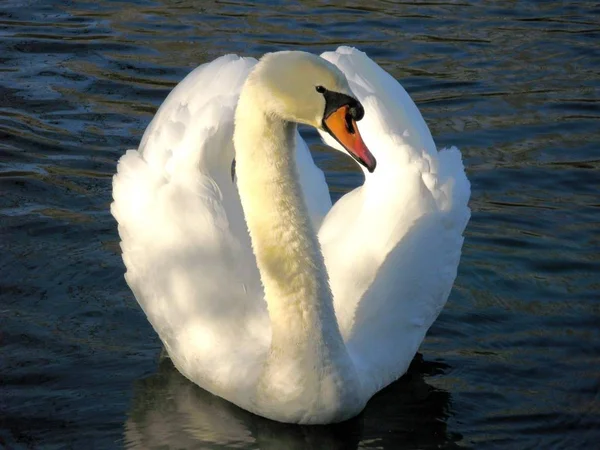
[(335, 100), (357, 111)]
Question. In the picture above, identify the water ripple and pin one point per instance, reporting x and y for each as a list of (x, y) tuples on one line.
[(511, 360)]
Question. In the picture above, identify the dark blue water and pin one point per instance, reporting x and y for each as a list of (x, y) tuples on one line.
[(514, 359)]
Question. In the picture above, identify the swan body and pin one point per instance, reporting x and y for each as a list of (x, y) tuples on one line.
[(261, 291)]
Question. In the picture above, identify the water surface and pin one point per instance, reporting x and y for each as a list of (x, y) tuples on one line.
[(513, 360)]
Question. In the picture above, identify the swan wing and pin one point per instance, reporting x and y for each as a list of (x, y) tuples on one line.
[(392, 246), (183, 236)]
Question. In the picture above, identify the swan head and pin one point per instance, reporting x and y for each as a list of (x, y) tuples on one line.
[(304, 88)]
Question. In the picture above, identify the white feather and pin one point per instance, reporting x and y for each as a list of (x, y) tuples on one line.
[(391, 246)]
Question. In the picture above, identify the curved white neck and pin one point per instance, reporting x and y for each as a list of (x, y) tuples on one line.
[(307, 349), (287, 251)]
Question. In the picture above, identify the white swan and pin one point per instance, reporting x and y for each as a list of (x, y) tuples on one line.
[(261, 314)]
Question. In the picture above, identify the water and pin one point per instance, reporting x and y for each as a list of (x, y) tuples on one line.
[(512, 362)]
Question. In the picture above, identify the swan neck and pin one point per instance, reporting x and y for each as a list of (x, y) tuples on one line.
[(308, 367), (288, 255)]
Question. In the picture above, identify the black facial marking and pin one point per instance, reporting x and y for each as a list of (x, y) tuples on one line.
[(335, 100), (348, 120)]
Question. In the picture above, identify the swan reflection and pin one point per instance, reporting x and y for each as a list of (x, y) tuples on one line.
[(168, 411)]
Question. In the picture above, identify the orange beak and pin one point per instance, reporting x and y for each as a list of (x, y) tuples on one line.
[(342, 127)]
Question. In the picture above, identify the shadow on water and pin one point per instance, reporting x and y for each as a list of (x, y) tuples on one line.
[(168, 411)]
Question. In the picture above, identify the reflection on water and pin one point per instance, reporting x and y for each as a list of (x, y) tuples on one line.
[(514, 84), (168, 411)]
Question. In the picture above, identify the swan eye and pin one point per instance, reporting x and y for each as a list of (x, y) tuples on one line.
[(320, 89)]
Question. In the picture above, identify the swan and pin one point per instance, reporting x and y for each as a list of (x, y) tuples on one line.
[(261, 291)]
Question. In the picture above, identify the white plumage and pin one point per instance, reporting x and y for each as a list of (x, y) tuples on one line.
[(391, 247)]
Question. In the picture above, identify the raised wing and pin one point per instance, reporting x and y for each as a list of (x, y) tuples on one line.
[(183, 236), (392, 246)]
